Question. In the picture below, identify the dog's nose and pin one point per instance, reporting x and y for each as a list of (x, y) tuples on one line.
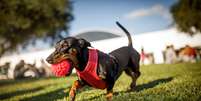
[(49, 61)]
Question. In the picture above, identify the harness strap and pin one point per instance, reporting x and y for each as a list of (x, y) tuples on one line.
[(89, 74)]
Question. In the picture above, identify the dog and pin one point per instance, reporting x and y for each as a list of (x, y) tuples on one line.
[(109, 66)]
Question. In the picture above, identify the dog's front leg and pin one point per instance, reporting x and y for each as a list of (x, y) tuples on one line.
[(110, 91), (76, 85), (109, 95)]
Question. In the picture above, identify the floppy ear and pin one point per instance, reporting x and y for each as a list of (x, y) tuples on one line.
[(73, 51), (84, 43)]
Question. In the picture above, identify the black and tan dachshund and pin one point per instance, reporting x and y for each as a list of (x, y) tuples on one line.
[(110, 66)]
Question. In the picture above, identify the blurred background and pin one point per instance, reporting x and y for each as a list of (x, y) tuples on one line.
[(163, 31)]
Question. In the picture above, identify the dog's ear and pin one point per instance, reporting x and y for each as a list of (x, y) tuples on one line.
[(84, 43)]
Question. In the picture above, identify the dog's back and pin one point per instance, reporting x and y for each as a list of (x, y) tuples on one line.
[(124, 54)]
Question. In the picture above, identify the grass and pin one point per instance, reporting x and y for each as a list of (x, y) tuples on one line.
[(163, 82)]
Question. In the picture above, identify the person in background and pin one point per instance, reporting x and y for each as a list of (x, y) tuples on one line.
[(4, 70), (188, 54), (198, 55), (19, 70), (170, 55), (142, 56)]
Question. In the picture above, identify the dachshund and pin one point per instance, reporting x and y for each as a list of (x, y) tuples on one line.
[(106, 67)]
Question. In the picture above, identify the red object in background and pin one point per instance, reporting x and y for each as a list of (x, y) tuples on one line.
[(61, 69)]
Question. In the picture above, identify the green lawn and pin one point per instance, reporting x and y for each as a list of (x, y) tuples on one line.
[(177, 82)]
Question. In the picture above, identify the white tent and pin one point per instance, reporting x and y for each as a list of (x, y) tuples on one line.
[(152, 42)]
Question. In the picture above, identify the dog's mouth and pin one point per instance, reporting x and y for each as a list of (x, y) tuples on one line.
[(62, 69), (72, 59), (62, 64)]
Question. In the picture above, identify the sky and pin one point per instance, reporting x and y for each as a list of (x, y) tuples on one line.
[(138, 16)]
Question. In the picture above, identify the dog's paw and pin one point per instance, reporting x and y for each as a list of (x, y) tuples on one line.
[(72, 95), (109, 96), (133, 85), (71, 98), (132, 90)]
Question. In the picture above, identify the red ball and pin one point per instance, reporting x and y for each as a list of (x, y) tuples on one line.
[(61, 69)]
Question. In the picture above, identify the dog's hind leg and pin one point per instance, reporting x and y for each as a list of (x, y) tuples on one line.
[(133, 76), (133, 72)]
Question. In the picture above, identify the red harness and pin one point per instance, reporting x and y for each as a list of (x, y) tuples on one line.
[(89, 74)]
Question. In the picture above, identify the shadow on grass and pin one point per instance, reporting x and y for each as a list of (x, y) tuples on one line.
[(21, 92), (152, 84), (12, 81), (138, 88), (25, 80), (50, 96), (22, 80), (53, 95), (60, 94)]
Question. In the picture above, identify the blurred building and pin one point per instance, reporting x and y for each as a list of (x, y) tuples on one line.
[(154, 43)]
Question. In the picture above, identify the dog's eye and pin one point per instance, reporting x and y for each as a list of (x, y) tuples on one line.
[(63, 49), (64, 45), (72, 50)]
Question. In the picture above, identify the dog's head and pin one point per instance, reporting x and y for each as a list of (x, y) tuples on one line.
[(68, 49)]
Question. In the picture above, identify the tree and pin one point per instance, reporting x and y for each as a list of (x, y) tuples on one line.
[(187, 15), (24, 21)]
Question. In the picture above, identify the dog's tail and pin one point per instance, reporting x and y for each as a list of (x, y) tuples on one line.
[(127, 33)]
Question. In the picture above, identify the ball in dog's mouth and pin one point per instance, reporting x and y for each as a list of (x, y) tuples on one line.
[(62, 68)]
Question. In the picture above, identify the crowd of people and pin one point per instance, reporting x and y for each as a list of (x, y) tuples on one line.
[(26, 70), (171, 55), (186, 54)]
